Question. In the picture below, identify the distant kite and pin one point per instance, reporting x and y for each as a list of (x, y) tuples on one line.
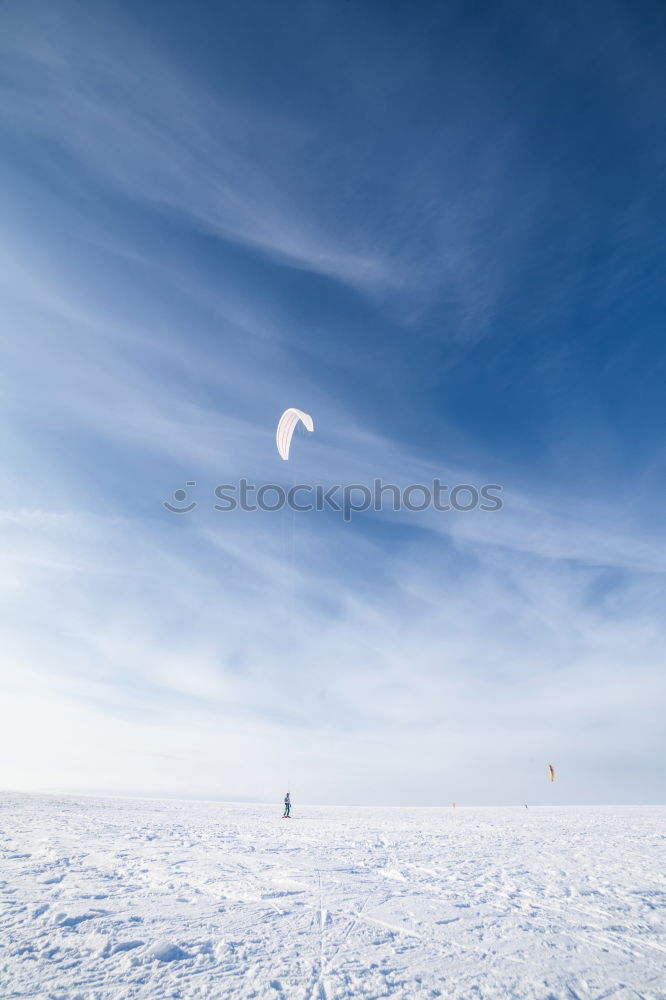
[(286, 427), (551, 771)]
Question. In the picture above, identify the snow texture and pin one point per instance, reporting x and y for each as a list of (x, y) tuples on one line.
[(112, 898)]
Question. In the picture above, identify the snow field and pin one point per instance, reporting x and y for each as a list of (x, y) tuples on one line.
[(113, 898)]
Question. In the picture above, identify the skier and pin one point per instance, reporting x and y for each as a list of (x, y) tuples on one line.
[(287, 807)]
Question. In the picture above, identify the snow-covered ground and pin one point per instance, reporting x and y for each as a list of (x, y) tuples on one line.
[(131, 898)]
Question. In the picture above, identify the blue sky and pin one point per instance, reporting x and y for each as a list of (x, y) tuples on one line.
[(438, 228)]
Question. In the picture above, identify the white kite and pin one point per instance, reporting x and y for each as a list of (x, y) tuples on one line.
[(286, 427)]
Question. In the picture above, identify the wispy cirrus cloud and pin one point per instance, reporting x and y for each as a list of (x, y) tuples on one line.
[(152, 133), (279, 183)]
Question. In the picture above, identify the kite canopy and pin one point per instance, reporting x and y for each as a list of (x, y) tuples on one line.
[(286, 427), (551, 771)]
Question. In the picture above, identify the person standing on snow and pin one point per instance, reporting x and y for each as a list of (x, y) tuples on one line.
[(287, 807)]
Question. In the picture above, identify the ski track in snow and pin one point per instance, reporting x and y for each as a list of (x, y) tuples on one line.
[(112, 899)]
